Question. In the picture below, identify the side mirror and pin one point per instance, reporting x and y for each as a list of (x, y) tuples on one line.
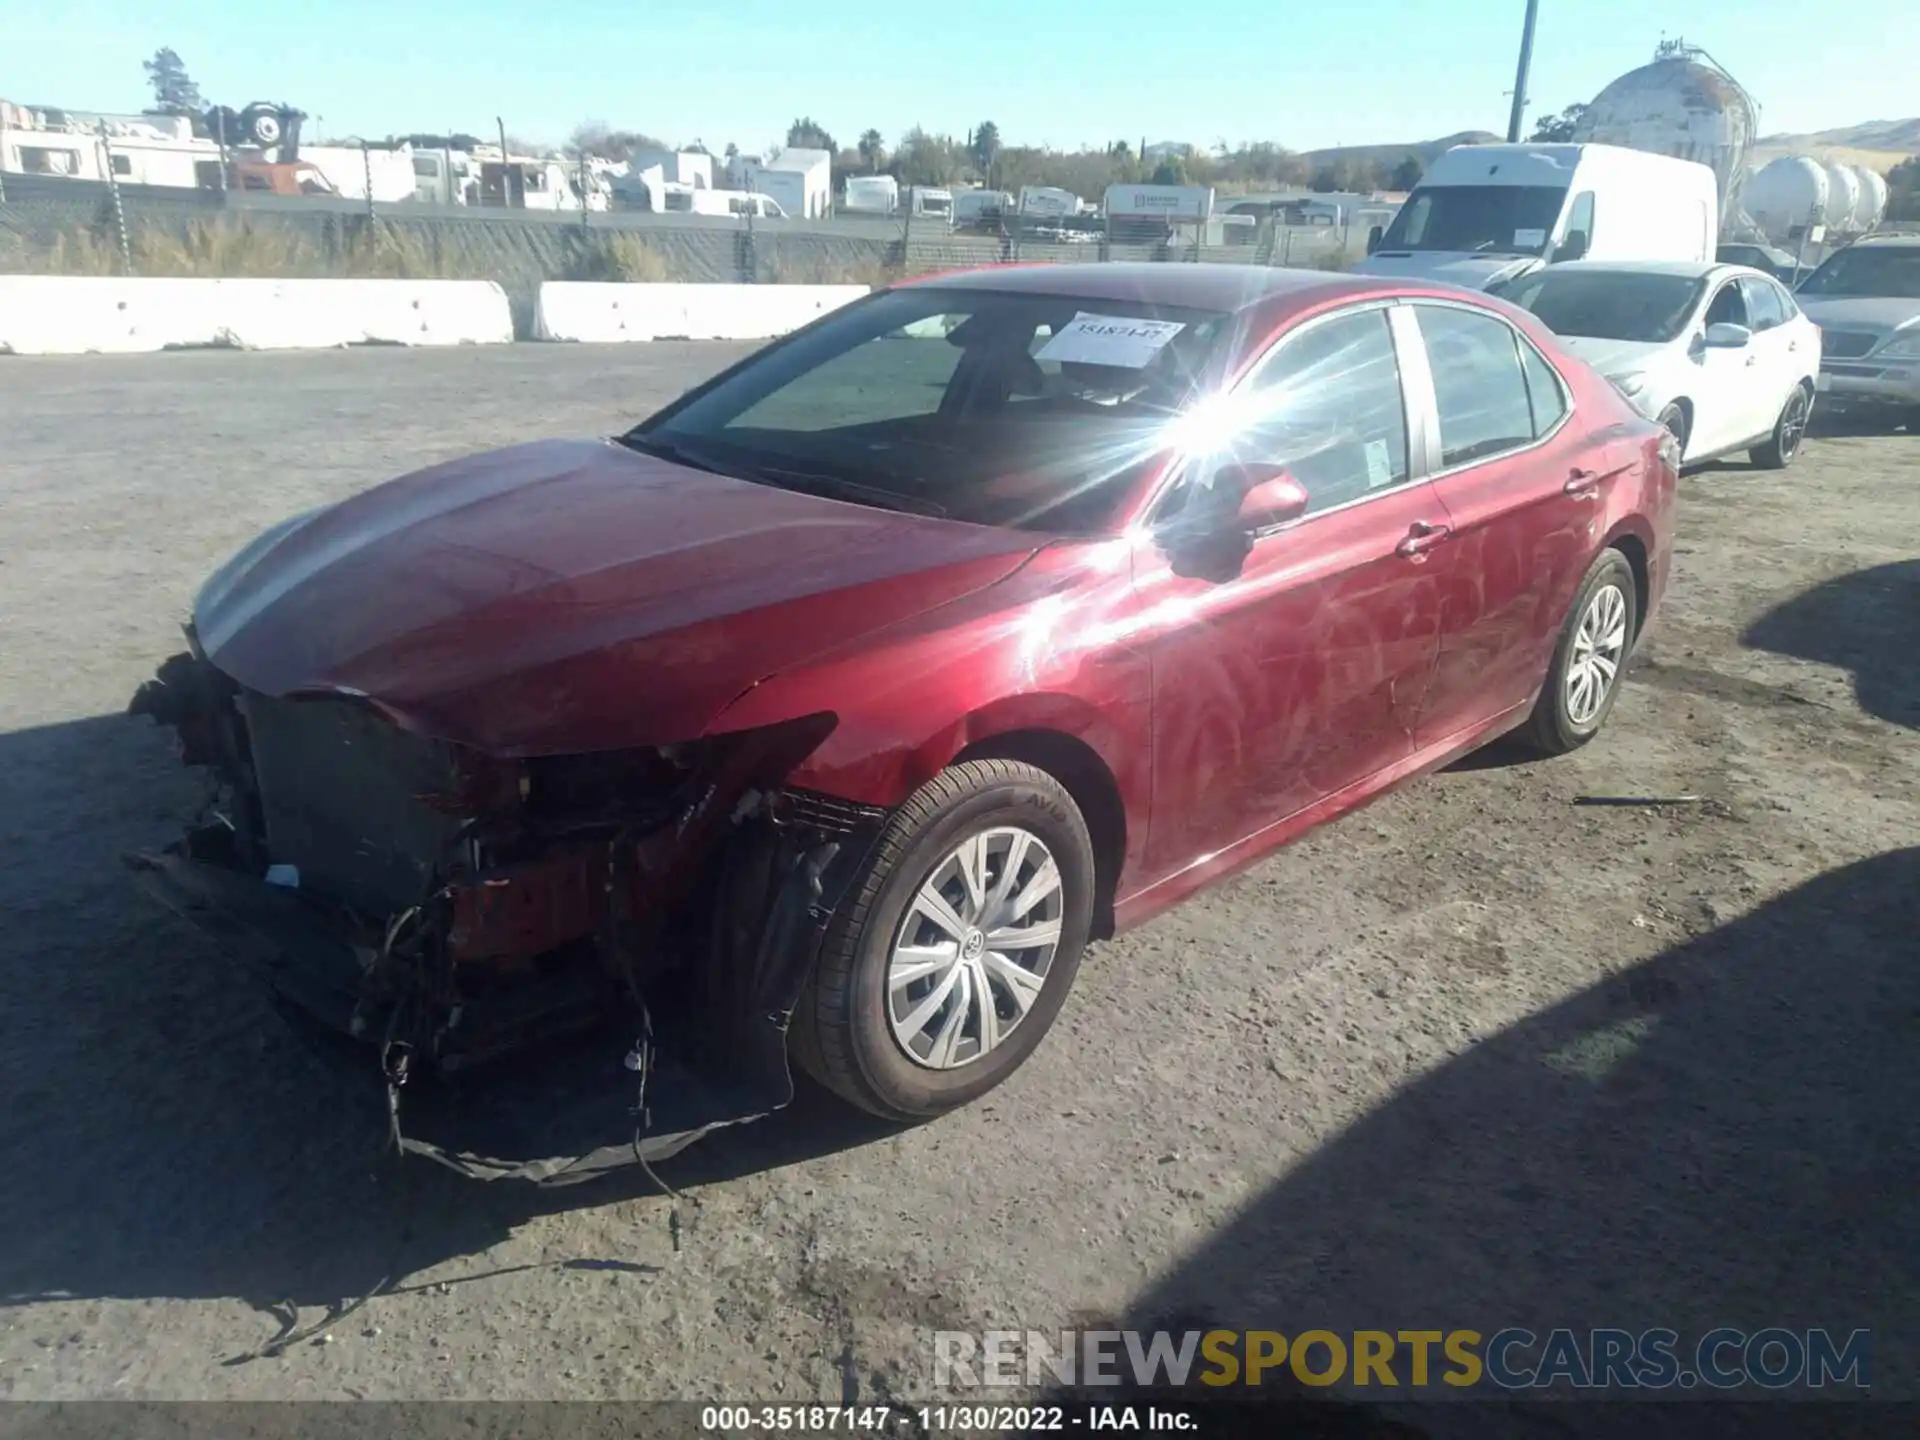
[(1374, 237), (1269, 495), (1728, 337), (1574, 247)]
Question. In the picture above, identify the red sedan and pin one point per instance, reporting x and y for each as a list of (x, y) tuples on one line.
[(846, 699)]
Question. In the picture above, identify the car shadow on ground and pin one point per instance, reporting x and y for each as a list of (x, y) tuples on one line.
[(1722, 1135), (1867, 622), (165, 1134)]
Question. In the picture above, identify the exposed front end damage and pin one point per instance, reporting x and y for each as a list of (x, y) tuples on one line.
[(632, 930)]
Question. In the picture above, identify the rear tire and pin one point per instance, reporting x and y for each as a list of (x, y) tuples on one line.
[(1788, 432), (984, 838), (1583, 679)]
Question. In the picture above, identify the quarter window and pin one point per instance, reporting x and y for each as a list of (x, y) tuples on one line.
[(1479, 388), (1545, 394)]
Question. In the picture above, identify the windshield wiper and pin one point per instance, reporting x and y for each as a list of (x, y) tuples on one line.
[(838, 487), (667, 450)]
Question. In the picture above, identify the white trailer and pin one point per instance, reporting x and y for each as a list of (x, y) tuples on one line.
[(973, 207), (348, 170), (870, 195), (1047, 202)]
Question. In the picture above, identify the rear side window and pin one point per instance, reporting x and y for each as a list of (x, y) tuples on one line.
[(1763, 303), (1480, 390)]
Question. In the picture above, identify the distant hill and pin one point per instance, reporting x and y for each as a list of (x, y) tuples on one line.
[(1897, 135), (1877, 144), (1426, 150)]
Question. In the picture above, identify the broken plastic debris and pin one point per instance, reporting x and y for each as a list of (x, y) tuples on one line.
[(284, 875)]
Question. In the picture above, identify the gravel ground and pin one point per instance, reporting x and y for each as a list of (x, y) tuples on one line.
[(1473, 1057)]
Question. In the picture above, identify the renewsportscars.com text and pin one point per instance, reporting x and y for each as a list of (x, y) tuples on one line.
[(1512, 1359)]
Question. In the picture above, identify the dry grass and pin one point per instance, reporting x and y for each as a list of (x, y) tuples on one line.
[(229, 250), (617, 257), (817, 270)]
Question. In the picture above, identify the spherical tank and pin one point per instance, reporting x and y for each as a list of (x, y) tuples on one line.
[(1873, 198), (1680, 107), (1843, 196), (1785, 193)]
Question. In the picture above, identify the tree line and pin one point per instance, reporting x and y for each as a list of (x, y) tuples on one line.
[(981, 157)]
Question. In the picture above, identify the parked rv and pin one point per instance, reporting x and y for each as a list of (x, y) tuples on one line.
[(1489, 213), (981, 207)]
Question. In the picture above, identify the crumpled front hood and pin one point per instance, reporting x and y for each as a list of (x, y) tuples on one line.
[(567, 596), (1880, 312), (1447, 267)]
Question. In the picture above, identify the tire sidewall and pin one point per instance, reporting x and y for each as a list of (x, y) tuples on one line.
[(1801, 398), (914, 1088), (1610, 567)]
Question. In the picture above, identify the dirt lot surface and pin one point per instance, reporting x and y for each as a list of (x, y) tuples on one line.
[(1475, 1057)]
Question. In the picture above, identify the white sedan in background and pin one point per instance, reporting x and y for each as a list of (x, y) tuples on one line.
[(1719, 354)]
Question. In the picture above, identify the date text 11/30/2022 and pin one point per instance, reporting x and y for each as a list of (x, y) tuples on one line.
[(942, 1419)]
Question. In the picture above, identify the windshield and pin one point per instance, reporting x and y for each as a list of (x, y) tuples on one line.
[(1893, 272), (1497, 219), (1003, 409), (1650, 309)]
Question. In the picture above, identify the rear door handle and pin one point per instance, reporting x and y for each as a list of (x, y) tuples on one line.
[(1582, 484), (1422, 537)]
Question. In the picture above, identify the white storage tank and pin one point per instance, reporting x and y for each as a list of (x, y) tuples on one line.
[(1843, 196), (1785, 193), (1682, 107), (1873, 198)]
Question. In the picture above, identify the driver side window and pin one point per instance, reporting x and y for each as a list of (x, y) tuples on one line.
[(1727, 307), (1326, 404)]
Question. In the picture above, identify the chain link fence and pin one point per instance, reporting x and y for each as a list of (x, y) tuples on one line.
[(58, 225)]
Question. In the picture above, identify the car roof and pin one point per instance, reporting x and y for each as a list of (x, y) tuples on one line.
[(1895, 237), (1225, 288), (1686, 269)]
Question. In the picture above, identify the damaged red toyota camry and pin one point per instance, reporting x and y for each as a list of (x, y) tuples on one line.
[(836, 707)]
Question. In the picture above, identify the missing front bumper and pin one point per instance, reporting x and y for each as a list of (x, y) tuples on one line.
[(564, 1111)]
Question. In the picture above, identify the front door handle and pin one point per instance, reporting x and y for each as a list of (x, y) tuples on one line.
[(1422, 537), (1752, 360)]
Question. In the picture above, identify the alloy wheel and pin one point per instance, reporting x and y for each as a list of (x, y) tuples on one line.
[(1793, 424), (1599, 645), (973, 949)]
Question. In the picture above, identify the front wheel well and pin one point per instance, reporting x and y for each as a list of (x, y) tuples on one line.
[(1077, 766), (1685, 407)]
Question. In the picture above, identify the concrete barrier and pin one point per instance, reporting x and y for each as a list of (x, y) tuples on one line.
[(88, 315), (612, 311)]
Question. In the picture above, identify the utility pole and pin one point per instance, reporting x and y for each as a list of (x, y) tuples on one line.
[(1515, 119)]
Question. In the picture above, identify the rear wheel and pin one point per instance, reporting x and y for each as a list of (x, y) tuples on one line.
[(1584, 678), (1788, 431), (952, 955)]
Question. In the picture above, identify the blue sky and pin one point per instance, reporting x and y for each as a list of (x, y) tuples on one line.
[(1060, 72)]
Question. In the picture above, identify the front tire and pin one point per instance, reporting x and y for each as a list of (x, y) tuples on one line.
[(1584, 679), (1673, 420), (952, 954), (1788, 432)]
